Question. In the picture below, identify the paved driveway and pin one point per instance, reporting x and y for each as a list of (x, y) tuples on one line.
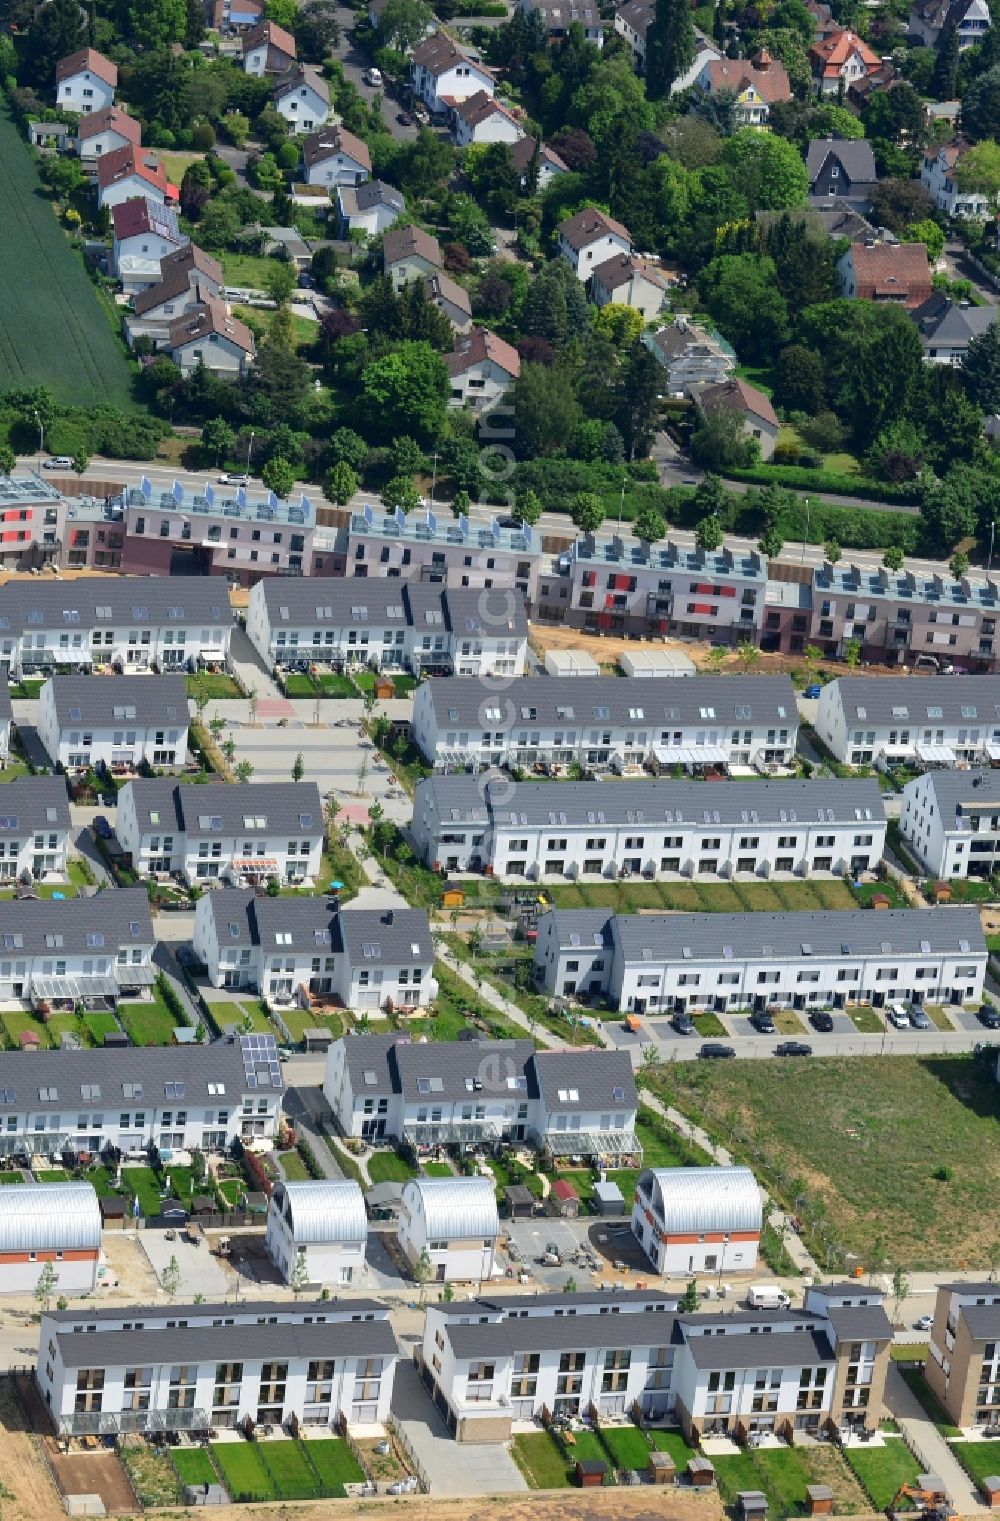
[(454, 1468)]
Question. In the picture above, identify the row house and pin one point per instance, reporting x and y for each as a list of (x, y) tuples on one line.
[(434, 550), (602, 723), (495, 1360), (90, 950), (129, 624), (171, 1097), (481, 1092), (665, 963), (200, 1367), (390, 625), (124, 723), (222, 833), (34, 830), (935, 721), (601, 830), (6, 720), (950, 821), (291, 950), (963, 1368)]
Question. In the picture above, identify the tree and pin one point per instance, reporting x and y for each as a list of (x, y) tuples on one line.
[(280, 280), (228, 748), (545, 409), (56, 30), (8, 460), (981, 106), (402, 493), (944, 79), (897, 204), (317, 32), (218, 436), (770, 542), (362, 774), (81, 462), (170, 1278), (216, 727), (422, 1270), (929, 234), (158, 23), (244, 771), (959, 565), (690, 1301), (852, 654), (636, 405), (348, 447), (406, 391), (278, 476), (900, 1290), (45, 1287), (769, 171), (981, 369), (893, 558), (721, 441), (708, 534), (298, 768), (649, 526), (341, 483), (587, 512), (748, 655), (670, 46), (742, 295), (528, 508), (715, 659), (833, 551)]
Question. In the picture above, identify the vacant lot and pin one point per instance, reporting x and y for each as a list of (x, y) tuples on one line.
[(52, 329), (703, 897), (892, 1157)]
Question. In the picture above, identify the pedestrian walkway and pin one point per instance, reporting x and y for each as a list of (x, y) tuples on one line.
[(248, 668), (933, 1452)]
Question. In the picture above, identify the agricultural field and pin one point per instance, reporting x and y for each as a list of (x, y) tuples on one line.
[(53, 331), (900, 1152)]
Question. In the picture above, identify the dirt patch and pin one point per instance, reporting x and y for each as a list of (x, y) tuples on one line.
[(95, 1473), (137, 1283), (617, 1504), (29, 1494)]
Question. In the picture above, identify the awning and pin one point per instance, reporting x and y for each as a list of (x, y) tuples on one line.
[(592, 1143), (936, 755), (135, 976), (73, 987), (691, 755), (255, 864), (992, 752)]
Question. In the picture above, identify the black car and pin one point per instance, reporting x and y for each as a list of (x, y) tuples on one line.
[(989, 1015), (683, 1024), (714, 1050), (793, 1048), (404, 118), (821, 1020), (762, 1022)]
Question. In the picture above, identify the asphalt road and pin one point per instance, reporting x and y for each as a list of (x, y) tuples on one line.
[(355, 63)]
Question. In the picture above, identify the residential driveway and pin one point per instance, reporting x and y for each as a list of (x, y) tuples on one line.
[(454, 1468), (249, 667), (934, 1452), (355, 63), (200, 1271)]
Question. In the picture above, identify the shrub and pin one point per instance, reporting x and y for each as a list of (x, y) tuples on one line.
[(203, 136)]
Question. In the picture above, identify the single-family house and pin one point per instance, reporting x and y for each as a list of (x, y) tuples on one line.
[(451, 298), (823, 21), (690, 355), (131, 173), (481, 368), (483, 119), (627, 280), (208, 334), (840, 61), (590, 238), (188, 278), (34, 830), (757, 83), (85, 82), (320, 1225), (843, 167), (409, 253), (930, 19), (632, 23), (106, 130), (233, 16), (560, 15), (371, 207), (335, 156), (452, 1223), (268, 49), (124, 722), (444, 74), (947, 327), (549, 164), (760, 421), (938, 177), (897, 273), (698, 1219), (302, 97), (144, 232)]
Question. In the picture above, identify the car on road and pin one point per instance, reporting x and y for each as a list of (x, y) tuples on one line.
[(822, 1020), (59, 462), (683, 1024), (233, 480), (373, 77), (918, 1019), (102, 827), (898, 1016), (813, 691), (989, 1015), (793, 1048), (923, 1323), (762, 1021), (404, 118), (714, 1050)]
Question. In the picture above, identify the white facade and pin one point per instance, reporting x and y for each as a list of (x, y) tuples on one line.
[(453, 1221), (130, 187), (139, 256), (124, 721), (441, 72), (951, 822), (303, 105), (50, 1223), (34, 829), (322, 1225), (193, 1367), (692, 1220), (108, 140), (937, 175), (84, 91), (935, 720), (491, 124), (596, 248)]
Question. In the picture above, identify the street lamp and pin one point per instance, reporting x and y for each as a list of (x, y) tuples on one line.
[(993, 529), (434, 477), (249, 451), (805, 540), (41, 436)]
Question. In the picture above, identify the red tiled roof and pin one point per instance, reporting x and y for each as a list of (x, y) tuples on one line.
[(273, 36), (891, 270), (736, 393), (477, 347), (139, 215), (119, 165), (829, 56), (588, 225), (110, 119), (90, 61), (770, 81)]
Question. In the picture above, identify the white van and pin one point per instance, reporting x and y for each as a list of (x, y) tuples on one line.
[(373, 77), (767, 1296)]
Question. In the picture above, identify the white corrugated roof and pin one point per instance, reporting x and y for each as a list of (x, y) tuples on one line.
[(702, 1199), (323, 1211), (45, 1217), (454, 1208)]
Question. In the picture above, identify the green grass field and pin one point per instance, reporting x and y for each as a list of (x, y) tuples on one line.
[(147, 1024), (246, 271), (861, 1140), (703, 897), (293, 1474), (194, 1465), (17, 1021), (8, 1179), (783, 1475), (883, 1469), (293, 1167), (100, 1025), (540, 1460), (979, 1459), (53, 331), (626, 1446), (242, 1470), (334, 1462), (211, 684), (389, 1167)]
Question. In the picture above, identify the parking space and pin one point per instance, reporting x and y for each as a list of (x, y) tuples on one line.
[(588, 1247), (965, 1019), (381, 1272), (201, 1273), (456, 1468)]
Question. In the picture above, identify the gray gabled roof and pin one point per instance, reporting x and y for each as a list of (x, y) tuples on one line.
[(962, 793), (386, 936), (579, 928), (585, 1080), (99, 924), (801, 1349), (542, 1333), (586, 700), (331, 1339), (943, 321), (292, 809), (371, 602), (983, 1320), (33, 802), (285, 1311), (927, 700), (105, 701), (860, 1323), (854, 154), (454, 799), (114, 602)]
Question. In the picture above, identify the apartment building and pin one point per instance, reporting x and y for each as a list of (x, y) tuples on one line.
[(239, 835), (92, 950), (664, 963), (122, 722), (603, 723), (127, 623), (178, 1097), (698, 1219), (222, 531), (34, 829), (495, 1360), (453, 1221), (471, 1093), (951, 822), (202, 1367), (32, 522), (610, 586), (580, 830), (289, 949), (390, 626), (935, 721), (424, 548), (963, 1368)]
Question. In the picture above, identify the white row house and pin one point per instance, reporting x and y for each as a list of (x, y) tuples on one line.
[(552, 830), (240, 835), (287, 949), (202, 1367), (935, 721), (6, 720), (122, 722), (495, 1360), (65, 952), (130, 623), (472, 1093), (389, 624), (656, 963), (603, 723), (951, 822), (172, 1097), (34, 829)]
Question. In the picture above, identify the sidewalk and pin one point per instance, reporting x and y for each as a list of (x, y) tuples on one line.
[(930, 1447)]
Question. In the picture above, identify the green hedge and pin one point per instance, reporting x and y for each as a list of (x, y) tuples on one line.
[(802, 479)]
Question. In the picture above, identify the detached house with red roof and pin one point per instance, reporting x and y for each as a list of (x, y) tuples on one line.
[(268, 49), (758, 84), (129, 173), (106, 131), (591, 238), (888, 272), (482, 369), (144, 233), (937, 175), (760, 421), (840, 61), (481, 119), (85, 82)]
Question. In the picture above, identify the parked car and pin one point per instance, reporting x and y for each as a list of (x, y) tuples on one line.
[(404, 118), (793, 1048), (373, 77), (714, 1050), (683, 1024), (989, 1015), (813, 691), (923, 1323), (102, 827), (233, 480), (918, 1019), (762, 1022), (822, 1020), (59, 462), (898, 1016)]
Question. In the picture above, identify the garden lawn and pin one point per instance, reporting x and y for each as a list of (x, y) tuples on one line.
[(389, 1167), (540, 1460), (243, 1473), (703, 897), (868, 890), (867, 1135), (194, 1465), (148, 1024), (783, 1474), (100, 1024), (979, 1459), (329, 684), (214, 685), (144, 1182), (51, 1175), (236, 1013), (865, 1020), (294, 1476), (176, 163), (437, 1170), (585, 1448), (8, 1179), (626, 1446), (674, 1443), (54, 332), (297, 1021), (883, 1469), (293, 1167), (246, 271), (16, 1021), (335, 1463)]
